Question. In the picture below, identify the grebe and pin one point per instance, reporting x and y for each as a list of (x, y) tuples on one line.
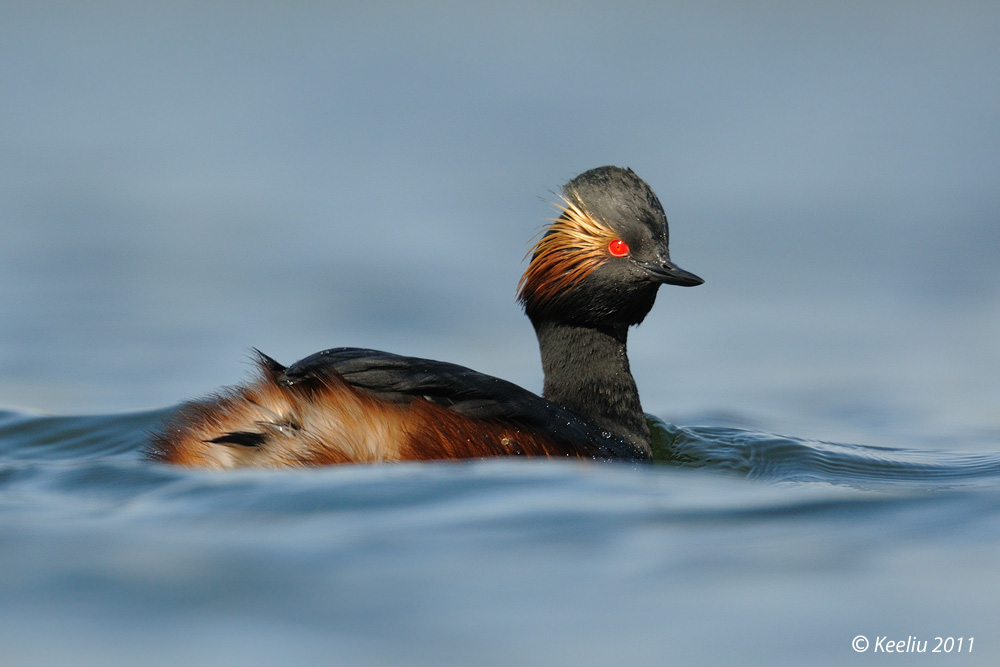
[(593, 273)]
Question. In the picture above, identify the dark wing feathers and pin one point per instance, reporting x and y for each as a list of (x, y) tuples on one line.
[(473, 394)]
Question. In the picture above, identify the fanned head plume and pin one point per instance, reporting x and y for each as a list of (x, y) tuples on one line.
[(601, 261), (569, 250)]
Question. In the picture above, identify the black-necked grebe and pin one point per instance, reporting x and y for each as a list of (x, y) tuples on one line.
[(593, 273)]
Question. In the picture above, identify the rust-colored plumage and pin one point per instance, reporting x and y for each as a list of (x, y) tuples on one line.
[(593, 273), (325, 420), (568, 251)]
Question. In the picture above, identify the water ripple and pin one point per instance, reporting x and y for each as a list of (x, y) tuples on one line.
[(766, 456), (66, 440)]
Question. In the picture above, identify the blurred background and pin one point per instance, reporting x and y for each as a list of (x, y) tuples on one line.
[(182, 181)]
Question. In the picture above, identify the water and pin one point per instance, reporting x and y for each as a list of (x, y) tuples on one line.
[(182, 183), (774, 548)]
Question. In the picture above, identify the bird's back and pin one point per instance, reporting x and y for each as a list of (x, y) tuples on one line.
[(351, 405)]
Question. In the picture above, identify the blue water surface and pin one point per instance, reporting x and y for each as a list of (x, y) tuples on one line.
[(181, 182), (744, 544)]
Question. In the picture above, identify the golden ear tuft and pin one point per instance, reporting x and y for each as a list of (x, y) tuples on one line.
[(567, 252)]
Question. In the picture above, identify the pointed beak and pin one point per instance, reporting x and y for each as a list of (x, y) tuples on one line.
[(670, 274)]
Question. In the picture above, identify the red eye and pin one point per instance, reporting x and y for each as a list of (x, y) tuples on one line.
[(618, 248)]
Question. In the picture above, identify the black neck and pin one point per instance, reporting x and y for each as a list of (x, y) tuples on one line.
[(586, 370)]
